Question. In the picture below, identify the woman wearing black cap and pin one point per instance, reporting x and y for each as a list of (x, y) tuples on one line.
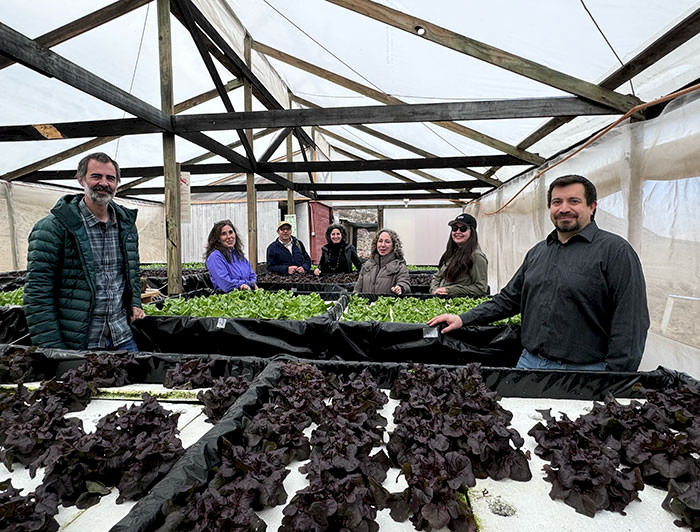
[(337, 256), (463, 268)]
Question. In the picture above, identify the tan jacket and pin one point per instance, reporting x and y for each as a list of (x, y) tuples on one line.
[(474, 283), (379, 274)]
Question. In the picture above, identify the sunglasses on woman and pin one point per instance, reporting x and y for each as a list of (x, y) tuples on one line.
[(460, 228)]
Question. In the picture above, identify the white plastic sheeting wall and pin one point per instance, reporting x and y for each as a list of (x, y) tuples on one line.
[(22, 205), (423, 232), (204, 216)]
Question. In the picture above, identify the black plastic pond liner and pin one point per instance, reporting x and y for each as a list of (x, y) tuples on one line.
[(195, 465), (307, 287), (491, 345), (236, 336), (190, 282), (13, 325), (52, 363), (12, 280)]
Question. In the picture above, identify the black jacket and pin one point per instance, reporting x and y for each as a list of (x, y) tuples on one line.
[(350, 255)]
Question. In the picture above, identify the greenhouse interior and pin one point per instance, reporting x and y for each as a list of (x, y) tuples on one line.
[(225, 304)]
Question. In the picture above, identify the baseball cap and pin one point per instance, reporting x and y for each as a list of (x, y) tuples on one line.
[(464, 219), (283, 222)]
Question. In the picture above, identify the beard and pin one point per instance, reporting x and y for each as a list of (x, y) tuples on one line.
[(94, 194), (568, 225)]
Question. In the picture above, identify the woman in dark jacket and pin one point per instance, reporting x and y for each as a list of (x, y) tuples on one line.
[(337, 256), (463, 268)]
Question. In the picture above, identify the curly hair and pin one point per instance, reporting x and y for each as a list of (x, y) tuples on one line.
[(343, 233), (462, 255), (213, 242), (397, 248)]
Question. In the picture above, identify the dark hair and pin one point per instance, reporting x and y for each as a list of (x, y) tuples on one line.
[(343, 233), (589, 189), (459, 258), (100, 157), (213, 241), (396, 246)]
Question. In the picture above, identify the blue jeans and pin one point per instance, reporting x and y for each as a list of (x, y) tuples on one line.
[(129, 345), (529, 361)]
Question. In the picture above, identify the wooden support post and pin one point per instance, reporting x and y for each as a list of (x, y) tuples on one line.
[(290, 175), (170, 170), (251, 195), (380, 218)]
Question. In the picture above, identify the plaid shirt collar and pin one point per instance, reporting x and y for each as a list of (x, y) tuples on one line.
[(90, 219)]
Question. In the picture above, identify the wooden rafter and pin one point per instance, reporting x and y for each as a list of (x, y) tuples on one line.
[(327, 187), (261, 92), (391, 164), (29, 53), (668, 42), (83, 24), (32, 55), (195, 32), (91, 144), (490, 54), (408, 147), (378, 114), (390, 100), (391, 173)]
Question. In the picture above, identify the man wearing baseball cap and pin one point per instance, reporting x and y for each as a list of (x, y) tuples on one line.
[(287, 255)]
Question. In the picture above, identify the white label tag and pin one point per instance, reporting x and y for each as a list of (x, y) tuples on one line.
[(221, 323), (430, 332)]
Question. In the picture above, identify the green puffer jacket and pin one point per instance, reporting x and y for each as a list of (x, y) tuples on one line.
[(59, 293)]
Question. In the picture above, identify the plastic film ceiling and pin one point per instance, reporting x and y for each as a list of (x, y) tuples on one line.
[(647, 172)]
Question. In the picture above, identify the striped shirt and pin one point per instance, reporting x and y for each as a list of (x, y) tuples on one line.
[(109, 317)]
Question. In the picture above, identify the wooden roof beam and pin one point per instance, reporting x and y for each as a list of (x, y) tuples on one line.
[(408, 147), (40, 59), (396, 174), (383, 114), (197, 37), (390, 100), (391, 164), (490, 54), (94, 143), (82, 25), (664, 45)]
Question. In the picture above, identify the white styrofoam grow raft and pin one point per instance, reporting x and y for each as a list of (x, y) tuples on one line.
[(499, 506)]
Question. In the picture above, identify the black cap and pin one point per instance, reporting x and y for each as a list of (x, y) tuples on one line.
[(464, 219)]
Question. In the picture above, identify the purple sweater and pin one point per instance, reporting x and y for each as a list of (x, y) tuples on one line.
[(227, 276)]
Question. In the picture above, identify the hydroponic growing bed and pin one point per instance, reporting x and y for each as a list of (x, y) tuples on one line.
[(335, 427)]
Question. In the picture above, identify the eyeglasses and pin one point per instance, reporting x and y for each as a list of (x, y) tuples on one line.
[(460, 228)]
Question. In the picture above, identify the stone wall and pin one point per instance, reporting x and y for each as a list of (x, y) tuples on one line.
[(364, 237)]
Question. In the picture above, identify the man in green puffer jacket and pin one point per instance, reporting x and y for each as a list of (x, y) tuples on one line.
[(83, 285)]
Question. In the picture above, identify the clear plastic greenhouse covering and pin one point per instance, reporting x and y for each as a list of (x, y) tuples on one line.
[(647, 173)]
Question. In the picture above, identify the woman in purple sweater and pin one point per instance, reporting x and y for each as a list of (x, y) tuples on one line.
[(228, 268)]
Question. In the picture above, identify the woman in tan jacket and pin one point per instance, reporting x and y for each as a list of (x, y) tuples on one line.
[(385, 272), (463, 268)]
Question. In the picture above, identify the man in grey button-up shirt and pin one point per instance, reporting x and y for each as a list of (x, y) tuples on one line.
[(581, 292)]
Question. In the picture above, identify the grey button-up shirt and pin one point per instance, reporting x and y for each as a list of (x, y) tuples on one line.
[(581, 302), (109, 317)]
